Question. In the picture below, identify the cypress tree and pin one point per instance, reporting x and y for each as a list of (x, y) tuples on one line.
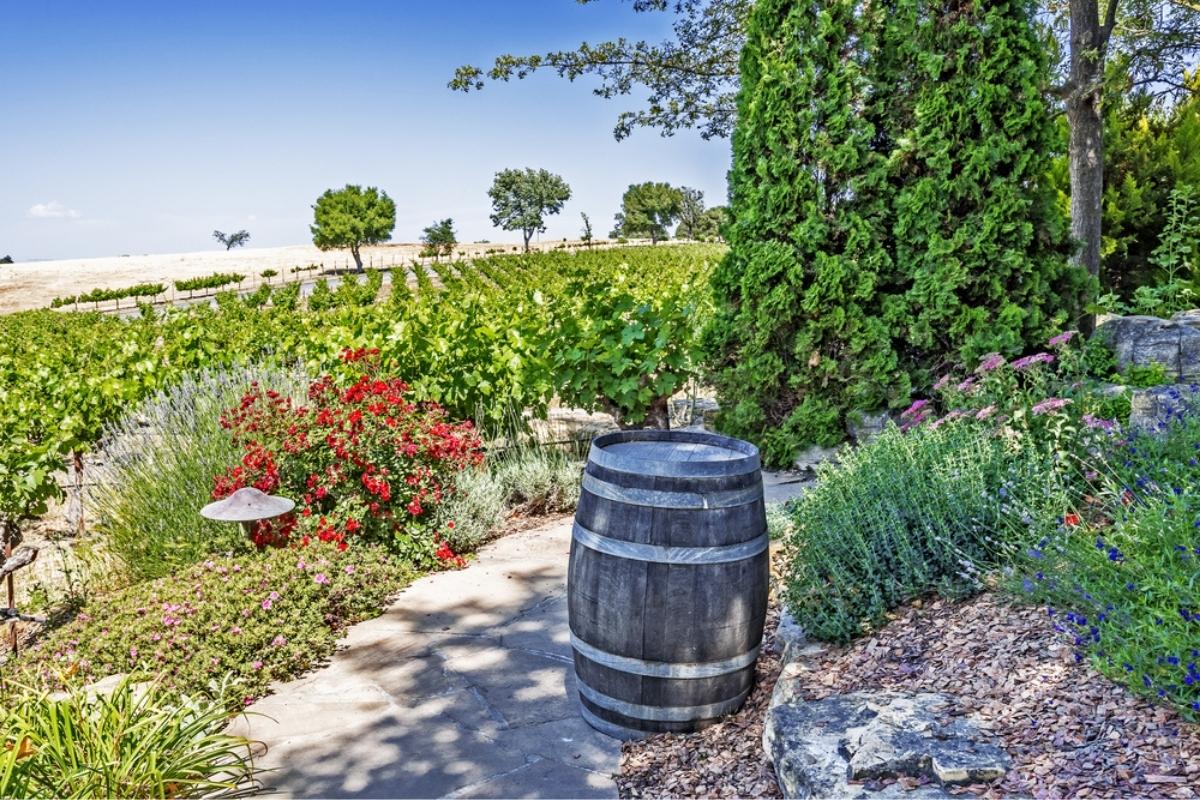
[(978, 236), (799, 334)]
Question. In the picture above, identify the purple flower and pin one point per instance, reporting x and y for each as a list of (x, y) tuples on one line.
[(1061, 338), (942, 383), (914, 408), (321, 579), (1106, 425), (966, 385), (985, 412), (1029, 361), (990, 362), (1050, 404)]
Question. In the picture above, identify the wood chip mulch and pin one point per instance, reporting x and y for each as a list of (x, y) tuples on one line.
[(1070, 731), (725, 760)]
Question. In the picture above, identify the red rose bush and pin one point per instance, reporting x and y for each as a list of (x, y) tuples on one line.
[(363, 461)]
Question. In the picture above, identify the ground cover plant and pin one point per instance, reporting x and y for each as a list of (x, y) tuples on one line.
[(235, 621)]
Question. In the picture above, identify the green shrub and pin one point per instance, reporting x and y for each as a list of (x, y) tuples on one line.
[(1145, 376), (134, 742), (158, 471), (258, 298), (255, 617), (322, 298), (215, 281), (906, 515), (286, 297)]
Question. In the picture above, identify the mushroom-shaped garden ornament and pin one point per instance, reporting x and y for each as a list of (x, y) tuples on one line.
[(247, 506)]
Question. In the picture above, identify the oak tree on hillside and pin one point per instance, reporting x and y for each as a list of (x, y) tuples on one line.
[(522, 198), (647, 210), (351, 217), (439, 239)]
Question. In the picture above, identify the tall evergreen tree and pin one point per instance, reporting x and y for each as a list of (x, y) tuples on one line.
[(799, 334), (979, 239)]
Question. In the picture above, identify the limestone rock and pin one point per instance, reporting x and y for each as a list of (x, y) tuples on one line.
[(864, 427), (1153, 410), (1144, 341), (693, 413), (816, 455), (835, 747), (789, 636), (571, 425)]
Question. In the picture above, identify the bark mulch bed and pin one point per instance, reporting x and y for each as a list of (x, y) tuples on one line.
[(1070, 731)]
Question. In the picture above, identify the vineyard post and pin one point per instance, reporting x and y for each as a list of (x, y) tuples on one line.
[(8, 534), (77, 463)]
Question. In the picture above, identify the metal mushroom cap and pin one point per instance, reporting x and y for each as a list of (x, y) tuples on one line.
[(247, 505)]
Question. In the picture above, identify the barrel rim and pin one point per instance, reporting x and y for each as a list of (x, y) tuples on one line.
[(749, 462)]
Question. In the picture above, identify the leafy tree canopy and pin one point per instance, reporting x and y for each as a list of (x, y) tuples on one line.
[(351, 217), (232, 240), (691, 77), (648, 209), (691, 212), (522, 198)]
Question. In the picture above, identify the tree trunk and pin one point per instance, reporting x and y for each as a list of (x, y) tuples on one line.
[(357, 259), (1086, 147), (528, 234)]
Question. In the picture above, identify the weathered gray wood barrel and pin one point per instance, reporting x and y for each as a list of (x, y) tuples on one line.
[(667, 586)]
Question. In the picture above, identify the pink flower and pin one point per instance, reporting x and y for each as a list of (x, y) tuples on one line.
[(1029, 361), (349, 569), (914, 408), (1106, 425), (273, 595), (985, 412), (279, 641), (1050, 404), (966, 385), (266, 604), (256, 665), (235, 630), (321, 579), (301, 565), (990, 362), (942, 383), (1061, 338), (133, 651)]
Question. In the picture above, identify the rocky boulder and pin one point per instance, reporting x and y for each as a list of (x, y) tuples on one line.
[(1152, 410), (1145, 341), (877, 744), (693, 412)]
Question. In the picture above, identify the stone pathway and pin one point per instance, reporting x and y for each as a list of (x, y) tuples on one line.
[(464, 687)]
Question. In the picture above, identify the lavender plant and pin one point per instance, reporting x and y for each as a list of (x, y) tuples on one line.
[(159, 463)]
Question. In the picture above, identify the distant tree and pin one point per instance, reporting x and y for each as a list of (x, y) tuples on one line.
[(232, 240), (586, 233), (648, 209), (439, 238), (352, 217), (521, 199), (691, 211), (711, 227), (6, 260)]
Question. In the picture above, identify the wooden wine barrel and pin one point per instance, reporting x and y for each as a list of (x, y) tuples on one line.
[(667, 586)]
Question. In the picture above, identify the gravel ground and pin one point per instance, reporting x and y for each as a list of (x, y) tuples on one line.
[(1071, 732)]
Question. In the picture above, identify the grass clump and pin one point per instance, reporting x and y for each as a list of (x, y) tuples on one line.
[(139, 742), (159, 466), (238, 621)]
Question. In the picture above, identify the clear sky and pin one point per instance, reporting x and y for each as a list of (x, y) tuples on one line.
[(139, 127)]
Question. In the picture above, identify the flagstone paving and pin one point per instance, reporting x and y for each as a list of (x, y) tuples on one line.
[(464, 687)]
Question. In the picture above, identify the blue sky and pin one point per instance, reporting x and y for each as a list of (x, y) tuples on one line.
[(140, 127)]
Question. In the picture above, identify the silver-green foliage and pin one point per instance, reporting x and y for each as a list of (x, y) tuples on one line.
[(906, 515), (130, 743), (159, 465), (525, 480)]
